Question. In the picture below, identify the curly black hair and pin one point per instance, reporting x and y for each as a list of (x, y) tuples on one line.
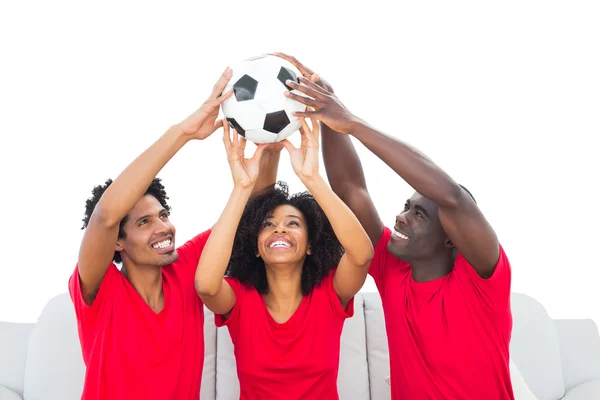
[(155, 189), (326, 250)]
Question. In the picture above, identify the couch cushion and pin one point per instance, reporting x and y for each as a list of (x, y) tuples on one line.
[(377, 346), (585, 391), (535, 348), (207, 388), (228, 385), (14, 338), (55, 368), (520, 389), (353, 375), (7, 394), (580, 350)]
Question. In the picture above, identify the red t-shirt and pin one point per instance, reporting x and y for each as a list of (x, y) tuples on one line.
[(448, 338), (133, 353), (298, 359)]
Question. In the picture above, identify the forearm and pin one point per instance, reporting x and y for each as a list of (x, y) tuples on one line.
[(217, 251), (342, 164), (413, 166), (346, 226), (131, 184), (267, 176)]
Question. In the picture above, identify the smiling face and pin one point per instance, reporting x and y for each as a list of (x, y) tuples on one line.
[(284, 237), (418, 233), (149, 235)]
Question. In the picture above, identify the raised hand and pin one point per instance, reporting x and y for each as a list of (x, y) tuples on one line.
[(305, 71), (305, 160), (203, 122), (326, 107), (244, 171)]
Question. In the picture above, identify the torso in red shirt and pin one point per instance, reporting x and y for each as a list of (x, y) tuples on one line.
[(448, 338), (298, 359), (133, 353)]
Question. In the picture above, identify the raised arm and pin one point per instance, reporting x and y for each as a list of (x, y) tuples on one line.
[(354, 264), (459, 215), (211, 286), (98, 244), (342, 165)]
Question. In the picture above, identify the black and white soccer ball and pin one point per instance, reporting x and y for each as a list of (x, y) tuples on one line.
[(258, 109)]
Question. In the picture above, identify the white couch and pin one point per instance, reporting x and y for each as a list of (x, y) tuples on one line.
[(558, 359)]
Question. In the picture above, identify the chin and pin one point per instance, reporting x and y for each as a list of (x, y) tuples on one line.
[(169, 258)]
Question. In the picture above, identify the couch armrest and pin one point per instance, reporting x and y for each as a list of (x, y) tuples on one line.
[(580, 351), (14, 339), (585, 391), (7, 394)]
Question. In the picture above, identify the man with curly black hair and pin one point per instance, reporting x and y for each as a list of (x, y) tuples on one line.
[(442, 274), (141, 327), (290, 286)]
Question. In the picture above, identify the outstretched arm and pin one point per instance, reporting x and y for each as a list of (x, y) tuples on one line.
[(354, 264), (100, 237), (213, 289), (460, 216), (342, 165)]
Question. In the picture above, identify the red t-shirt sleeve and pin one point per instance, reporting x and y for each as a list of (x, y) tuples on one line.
[(189, 253), (239, 291), (493, 291), (91, 313), (334, 299), (380, 258)]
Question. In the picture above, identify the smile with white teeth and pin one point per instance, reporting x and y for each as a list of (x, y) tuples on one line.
[(162, 245), (280, 243), (400, 235)]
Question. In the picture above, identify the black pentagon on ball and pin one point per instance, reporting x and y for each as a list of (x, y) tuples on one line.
[(245, 88), (276, 121), (234, 124), (285, 74)]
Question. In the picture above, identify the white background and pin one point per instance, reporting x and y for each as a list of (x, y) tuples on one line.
[(505, 96)]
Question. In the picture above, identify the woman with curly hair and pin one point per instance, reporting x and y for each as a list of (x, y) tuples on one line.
[(289, 284)]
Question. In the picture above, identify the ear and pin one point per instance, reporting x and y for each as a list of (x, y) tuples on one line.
[(448, 244), (308, 252), (119, 246)]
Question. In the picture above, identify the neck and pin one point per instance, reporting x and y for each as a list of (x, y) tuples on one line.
[(425, 270), (285, 286), (147, 281)]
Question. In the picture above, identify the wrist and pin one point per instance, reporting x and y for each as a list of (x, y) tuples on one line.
[(312, 182)]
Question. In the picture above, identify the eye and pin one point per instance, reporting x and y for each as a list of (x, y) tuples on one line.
[(294, 223), (164, 215), (419, 214), (143, 222), (406, 207), (267, 223)]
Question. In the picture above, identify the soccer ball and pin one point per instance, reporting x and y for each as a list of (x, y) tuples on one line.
[(258, 109)]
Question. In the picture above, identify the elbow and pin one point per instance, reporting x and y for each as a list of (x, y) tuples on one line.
[(206, 289), (363, 258), (102, 216), (455, 197)]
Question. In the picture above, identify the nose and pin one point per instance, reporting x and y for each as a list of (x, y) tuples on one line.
[(161, 227), (280, 228), (401, 219)]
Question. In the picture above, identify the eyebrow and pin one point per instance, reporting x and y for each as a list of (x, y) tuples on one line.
[(148, 215), (287, 216), (424, 211)]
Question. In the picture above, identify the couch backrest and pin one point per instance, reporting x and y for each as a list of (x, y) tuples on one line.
[(535, 348), (55, 368), (377, 346), (13, 354)]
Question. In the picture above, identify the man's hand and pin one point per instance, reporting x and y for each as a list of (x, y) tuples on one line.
[(326, 107), (305, 71), (202, 123)]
